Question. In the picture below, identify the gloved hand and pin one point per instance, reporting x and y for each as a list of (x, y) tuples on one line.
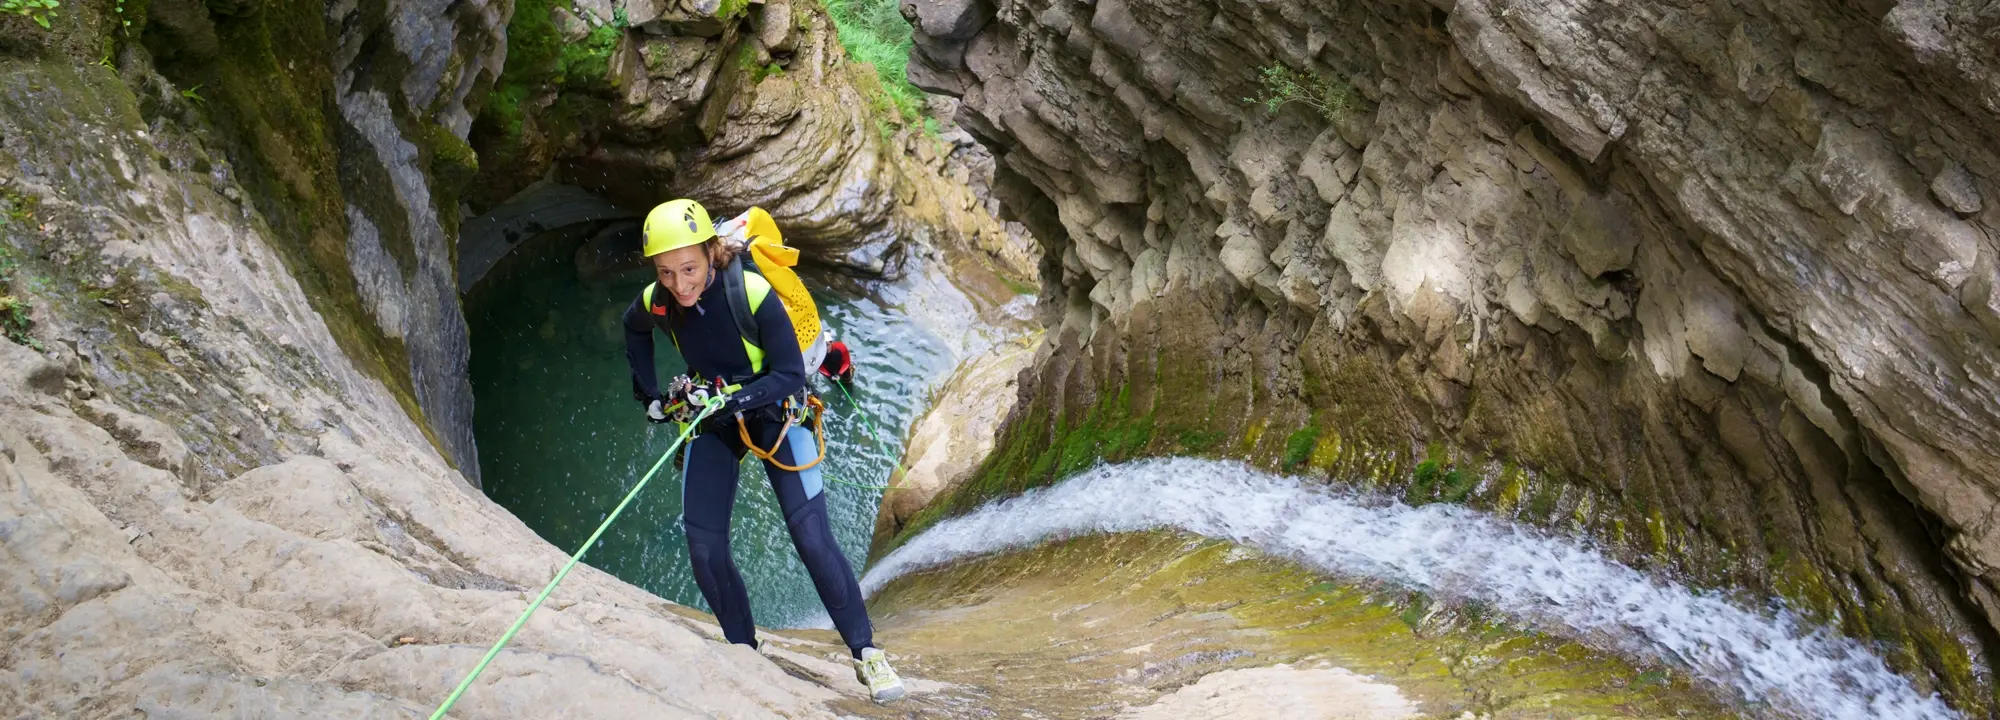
[(655, 413), (723, 417)]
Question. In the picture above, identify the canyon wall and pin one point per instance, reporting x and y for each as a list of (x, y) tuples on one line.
[(1716, 283), (236, 465)]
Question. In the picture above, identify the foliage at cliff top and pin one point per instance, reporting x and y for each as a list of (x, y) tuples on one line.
[(38, 10), (874, 32)]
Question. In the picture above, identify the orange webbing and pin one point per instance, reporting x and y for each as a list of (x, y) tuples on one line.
[(770, 456)]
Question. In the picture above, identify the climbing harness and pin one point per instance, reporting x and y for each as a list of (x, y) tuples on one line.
[(804, 409), (710, 406)]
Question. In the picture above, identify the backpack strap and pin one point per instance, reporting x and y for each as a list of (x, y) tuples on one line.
[(646, 296), (746, 292)]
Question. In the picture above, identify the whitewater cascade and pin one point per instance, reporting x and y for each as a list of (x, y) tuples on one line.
[(1773, 658)]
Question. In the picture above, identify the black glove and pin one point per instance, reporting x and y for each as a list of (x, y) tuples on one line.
[(723, 420)]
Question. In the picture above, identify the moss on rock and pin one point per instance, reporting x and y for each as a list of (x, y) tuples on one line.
[(1161, 609)]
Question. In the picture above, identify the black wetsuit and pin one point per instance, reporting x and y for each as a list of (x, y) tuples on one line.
[(710, 342)]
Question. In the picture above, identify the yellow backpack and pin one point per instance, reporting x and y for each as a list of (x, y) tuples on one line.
[(766, 258)]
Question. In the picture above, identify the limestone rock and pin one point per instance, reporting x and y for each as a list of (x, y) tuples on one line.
[(1241, 253), (774, 26), (1953, 187), (305, 495), (149, 440), (764, 110), (953, 435), (947, 19)]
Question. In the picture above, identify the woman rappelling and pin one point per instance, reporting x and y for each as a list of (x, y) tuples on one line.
[(745, 348)]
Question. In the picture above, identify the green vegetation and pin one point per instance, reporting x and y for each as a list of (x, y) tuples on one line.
[(37, 10), (537, 58), (746, 58), (1019, 287), (1418, 610), (14, 311), (1432, 482), (14, 321), (1282, 85), (875, 33), (540, 63), (587, 65)]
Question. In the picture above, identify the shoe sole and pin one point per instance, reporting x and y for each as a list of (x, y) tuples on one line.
[(890, 695)]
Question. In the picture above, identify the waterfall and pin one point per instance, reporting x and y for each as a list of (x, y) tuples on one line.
[(1552, 583)]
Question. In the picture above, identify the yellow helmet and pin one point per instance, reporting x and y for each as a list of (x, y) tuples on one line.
[(677, 224)]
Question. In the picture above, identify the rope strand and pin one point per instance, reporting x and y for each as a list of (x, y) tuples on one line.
[(573, 559), (872, 435)]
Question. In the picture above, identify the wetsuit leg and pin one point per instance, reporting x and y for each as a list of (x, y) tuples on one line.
[(708, 493), (801, 498)]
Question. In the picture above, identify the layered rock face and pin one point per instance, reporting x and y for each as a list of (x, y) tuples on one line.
[(750, 106), (1716, 283), (346, 122)]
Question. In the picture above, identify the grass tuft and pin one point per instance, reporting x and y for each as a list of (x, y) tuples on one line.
[(875, 34)]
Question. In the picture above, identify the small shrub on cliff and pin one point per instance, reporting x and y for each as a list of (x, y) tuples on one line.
[(1282, 85), (37, 10), (14, 311), (14, 322)]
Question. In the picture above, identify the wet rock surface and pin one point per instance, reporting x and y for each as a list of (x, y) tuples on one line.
[(954, 435), (1152, 624), (1718, 279)]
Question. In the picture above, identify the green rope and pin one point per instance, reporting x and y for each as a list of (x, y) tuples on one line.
[(573, 559), (872, 435)]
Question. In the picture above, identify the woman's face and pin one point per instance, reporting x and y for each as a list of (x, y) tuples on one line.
[(684, 271)]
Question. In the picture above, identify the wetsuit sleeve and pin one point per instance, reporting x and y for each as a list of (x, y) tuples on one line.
[(639, 350), (784, 366)]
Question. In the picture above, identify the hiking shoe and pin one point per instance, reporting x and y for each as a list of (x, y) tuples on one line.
[(873, 670)]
